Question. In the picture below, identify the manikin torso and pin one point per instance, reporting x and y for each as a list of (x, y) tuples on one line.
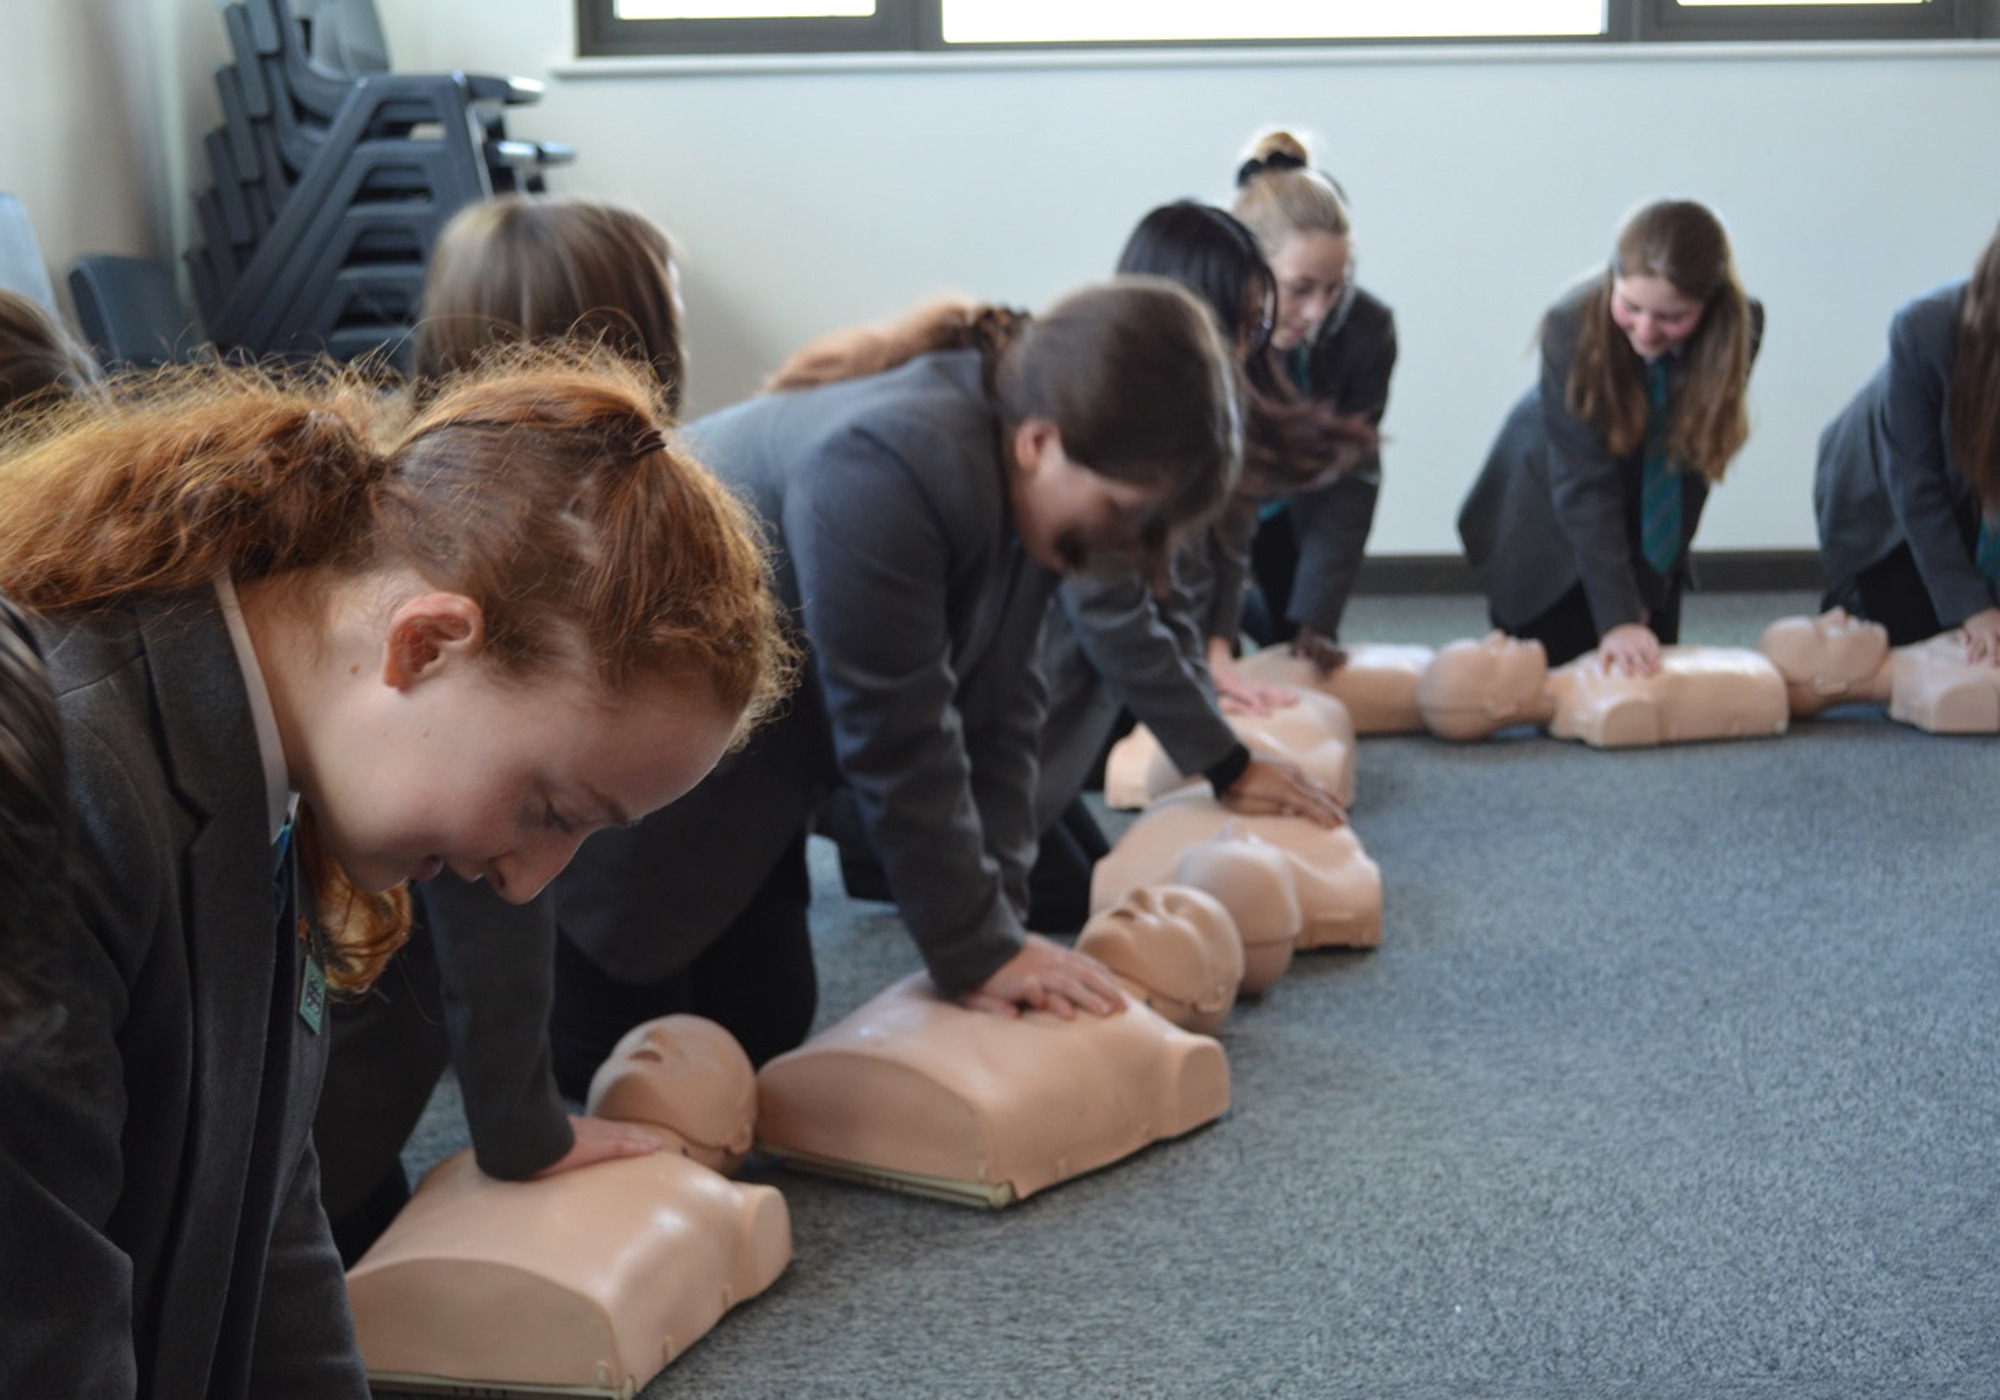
[(1836, 658), (1474, 689), (1315, 733), (590, 1281), (918, 1093), (1339, 889), (1377, 682)]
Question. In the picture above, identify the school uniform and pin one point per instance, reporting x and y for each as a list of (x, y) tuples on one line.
[(1552, 525), (886, 503), (1897, 522), (159, 1199), (1308, 548)]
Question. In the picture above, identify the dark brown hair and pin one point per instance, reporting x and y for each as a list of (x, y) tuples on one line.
[(1683, 244), (1133, 373), (1973, 400), (40, 362), (525, 268), (544, 490)]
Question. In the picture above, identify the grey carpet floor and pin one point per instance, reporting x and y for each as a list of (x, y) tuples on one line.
[(1677, 1074)]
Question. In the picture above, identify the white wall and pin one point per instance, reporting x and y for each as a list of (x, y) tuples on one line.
[(813, 196)]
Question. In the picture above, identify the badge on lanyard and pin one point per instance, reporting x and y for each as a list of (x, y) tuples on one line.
[(312, 994)]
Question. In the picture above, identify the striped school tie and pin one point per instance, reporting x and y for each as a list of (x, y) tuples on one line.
[(1986, 554), (1659, 483)]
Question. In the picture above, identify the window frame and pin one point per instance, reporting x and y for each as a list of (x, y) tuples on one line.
[(916, 27)]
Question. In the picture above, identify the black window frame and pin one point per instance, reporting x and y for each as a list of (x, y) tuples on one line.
[(914, 26)]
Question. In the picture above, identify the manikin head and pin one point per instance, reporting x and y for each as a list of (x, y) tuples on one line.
[(1827, 658), (686, 1074), (1473, 689), (1255, 882), (1175, 948)]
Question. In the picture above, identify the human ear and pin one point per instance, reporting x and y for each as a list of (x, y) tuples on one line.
[(427, 633), (1032, 441)]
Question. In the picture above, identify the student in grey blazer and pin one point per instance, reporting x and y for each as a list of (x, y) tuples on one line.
[(920, 516), (1908, 479), (258, 600), (1336, 342), (1644, 375)]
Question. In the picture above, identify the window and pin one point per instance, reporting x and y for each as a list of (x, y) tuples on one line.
[(628, 27)]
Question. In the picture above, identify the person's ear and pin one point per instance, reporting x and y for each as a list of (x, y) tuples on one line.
[(1033, 440), (428, 633)]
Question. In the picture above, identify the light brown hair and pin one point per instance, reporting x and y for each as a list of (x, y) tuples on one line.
[(1683, 244), (530, 269), (1973, 399), (40, 362), (544, 490)]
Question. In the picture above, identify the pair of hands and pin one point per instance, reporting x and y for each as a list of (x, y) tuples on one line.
[(1982, 637), (1043, 976)]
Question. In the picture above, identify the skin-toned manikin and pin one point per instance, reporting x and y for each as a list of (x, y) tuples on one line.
[(1377, 682), (1836, 659), (1314, 733), (1474, 689), (1174, 949), (1339, 888), (1256, 883), (589, 1281), (921, 1094)]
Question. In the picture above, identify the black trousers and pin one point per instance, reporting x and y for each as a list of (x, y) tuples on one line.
[(756, 979), (1892, 593), (1566, 630)]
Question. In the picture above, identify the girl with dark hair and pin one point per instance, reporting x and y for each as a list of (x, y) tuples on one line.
[(258, 599), (1166, 654), (921, 514), (1335, 342), (1907, 492), (1579, 524)]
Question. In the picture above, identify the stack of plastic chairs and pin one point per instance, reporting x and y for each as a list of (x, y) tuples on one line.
[(333, 176)]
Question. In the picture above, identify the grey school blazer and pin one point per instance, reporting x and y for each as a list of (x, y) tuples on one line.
[(885, 502), (160, 1228), (1552, 507), (1885, 474)]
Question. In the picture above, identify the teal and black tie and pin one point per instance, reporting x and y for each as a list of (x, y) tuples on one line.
[(1986, 554), (1659, 482)]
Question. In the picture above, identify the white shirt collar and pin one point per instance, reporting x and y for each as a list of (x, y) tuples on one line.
[(279, 799)]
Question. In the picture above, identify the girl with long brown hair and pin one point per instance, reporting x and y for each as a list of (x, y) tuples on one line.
[(288, 630), (1579, 524), (1907, 493)]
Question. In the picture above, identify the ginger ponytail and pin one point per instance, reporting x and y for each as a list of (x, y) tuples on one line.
[(173, 481)]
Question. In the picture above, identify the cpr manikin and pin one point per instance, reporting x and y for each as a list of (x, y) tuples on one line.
[(1173, 948), (918, 1093), (1339, 889), (1377, 682), (591, 1281), (1837, 659), (1475, 689), (1315, 733)]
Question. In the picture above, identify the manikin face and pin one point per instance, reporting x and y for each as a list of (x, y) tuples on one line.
[(439, 764), (1312, 269), (1064, 511), (1655, 317)]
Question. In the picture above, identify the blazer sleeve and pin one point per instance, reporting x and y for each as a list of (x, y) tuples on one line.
[(1224, 552), (1002, 754), (1588, 490), (1923, 486), (496, 972), (1333, 522), (66, 1323), (305, 1342), (872, 553), (1150, 655)]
